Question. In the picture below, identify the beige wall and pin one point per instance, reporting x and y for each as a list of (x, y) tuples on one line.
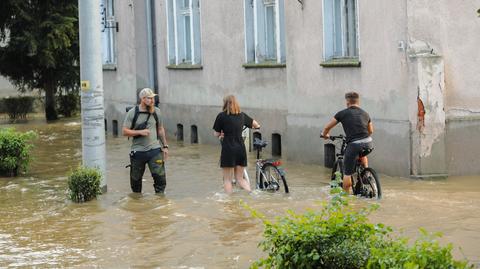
[(298, 100)]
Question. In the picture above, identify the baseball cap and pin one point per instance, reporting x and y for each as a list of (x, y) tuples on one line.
[(146, 92)]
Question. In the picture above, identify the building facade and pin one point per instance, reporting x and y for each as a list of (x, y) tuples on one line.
[(289, 62)]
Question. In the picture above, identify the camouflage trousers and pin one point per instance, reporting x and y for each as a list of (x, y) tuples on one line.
[(156, 165)]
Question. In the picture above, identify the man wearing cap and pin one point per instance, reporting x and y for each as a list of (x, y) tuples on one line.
[(149, 145)]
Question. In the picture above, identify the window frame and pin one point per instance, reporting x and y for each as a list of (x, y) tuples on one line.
[(109, 29), (257, 35), (183, 49), (330, 37)]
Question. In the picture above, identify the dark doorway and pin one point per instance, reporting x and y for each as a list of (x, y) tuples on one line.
[(179, 132), (193, 134)]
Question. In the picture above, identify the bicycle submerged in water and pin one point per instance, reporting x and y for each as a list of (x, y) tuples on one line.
[(269, 175), (365, 181)]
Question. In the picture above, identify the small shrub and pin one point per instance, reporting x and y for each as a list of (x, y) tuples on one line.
[(340, 237), (68, 104), (425, 253), (18, 107), (84, 184), (337, 237), (15, 150)]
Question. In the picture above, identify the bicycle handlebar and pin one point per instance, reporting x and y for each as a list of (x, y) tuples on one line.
[(334, 137), (245, 127)]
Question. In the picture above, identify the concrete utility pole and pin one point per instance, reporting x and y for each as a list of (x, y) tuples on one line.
[(93, 122)]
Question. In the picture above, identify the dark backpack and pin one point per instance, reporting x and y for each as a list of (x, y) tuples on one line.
[(135, 117)]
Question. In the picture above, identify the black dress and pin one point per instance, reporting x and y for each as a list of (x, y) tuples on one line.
[(233, 147)]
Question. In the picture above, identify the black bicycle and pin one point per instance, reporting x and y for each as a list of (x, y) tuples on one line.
[(365, 181), (269, 175)]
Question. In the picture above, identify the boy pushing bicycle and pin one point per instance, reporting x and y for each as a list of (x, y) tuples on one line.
[(358, 129)]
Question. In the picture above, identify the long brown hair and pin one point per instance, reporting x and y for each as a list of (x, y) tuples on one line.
[(230, 105)]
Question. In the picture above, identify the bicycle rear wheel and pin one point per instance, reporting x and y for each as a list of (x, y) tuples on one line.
[(371, 184), (271, 179)]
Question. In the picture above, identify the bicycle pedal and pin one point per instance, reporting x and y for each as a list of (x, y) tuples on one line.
[(274, 186)]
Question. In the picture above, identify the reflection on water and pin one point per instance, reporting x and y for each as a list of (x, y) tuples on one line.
[(194, 225)]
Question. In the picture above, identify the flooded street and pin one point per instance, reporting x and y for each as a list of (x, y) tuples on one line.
[(195, 225)]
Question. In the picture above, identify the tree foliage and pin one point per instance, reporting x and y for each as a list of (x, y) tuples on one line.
[(39, 46)]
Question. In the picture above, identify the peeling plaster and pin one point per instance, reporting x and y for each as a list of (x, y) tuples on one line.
[(419, 48), (430, 99), (420, 114)]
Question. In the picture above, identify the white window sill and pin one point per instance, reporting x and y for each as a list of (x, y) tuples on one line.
[(342, 62), (109, 67), (264, 65), (184, 66)]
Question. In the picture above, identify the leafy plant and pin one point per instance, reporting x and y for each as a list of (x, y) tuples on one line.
[(15, 150), (84, 184), (425, 253), (336, 237), (341, 237)]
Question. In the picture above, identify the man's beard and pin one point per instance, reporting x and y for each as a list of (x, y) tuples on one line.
[(149, 108)]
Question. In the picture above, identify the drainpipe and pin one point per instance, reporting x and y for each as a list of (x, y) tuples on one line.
[(151, 46)]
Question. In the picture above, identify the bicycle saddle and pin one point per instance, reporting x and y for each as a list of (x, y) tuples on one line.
[(258, 144), (365, 152)]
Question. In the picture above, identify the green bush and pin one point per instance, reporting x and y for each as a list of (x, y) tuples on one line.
[(17, 107), (337, 237), (15, 150), (84, 184), (68, 104), (340, 237), (425, 253)]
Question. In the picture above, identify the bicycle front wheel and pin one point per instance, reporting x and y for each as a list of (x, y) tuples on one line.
[(337, 174), (371, 183), (273, 178)]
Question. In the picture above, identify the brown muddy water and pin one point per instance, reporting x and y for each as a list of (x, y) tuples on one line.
[(195, 225)]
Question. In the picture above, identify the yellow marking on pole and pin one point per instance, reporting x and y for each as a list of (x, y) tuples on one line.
[(85, 85)]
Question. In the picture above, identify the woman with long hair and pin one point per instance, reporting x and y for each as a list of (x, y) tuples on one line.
[(229, 126)]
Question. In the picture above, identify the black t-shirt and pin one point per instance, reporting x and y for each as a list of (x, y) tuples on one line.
[(232, 125), (355, 123)]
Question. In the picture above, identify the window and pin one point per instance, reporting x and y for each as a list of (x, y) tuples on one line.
[(264, 31), (108, 32), (183, 22), (340, 27)]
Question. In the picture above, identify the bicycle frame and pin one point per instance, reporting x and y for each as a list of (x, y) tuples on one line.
[(259, 168), (358, 165)]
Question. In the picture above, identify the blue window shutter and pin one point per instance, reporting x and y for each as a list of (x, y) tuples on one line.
[(281, 25), (260, 49), (197, 37), (249, 31), (328, 26), (170, 31), (180, 28)]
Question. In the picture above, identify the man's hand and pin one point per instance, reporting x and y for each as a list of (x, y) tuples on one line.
[(324, 136), (165, 153), (144, 132)]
